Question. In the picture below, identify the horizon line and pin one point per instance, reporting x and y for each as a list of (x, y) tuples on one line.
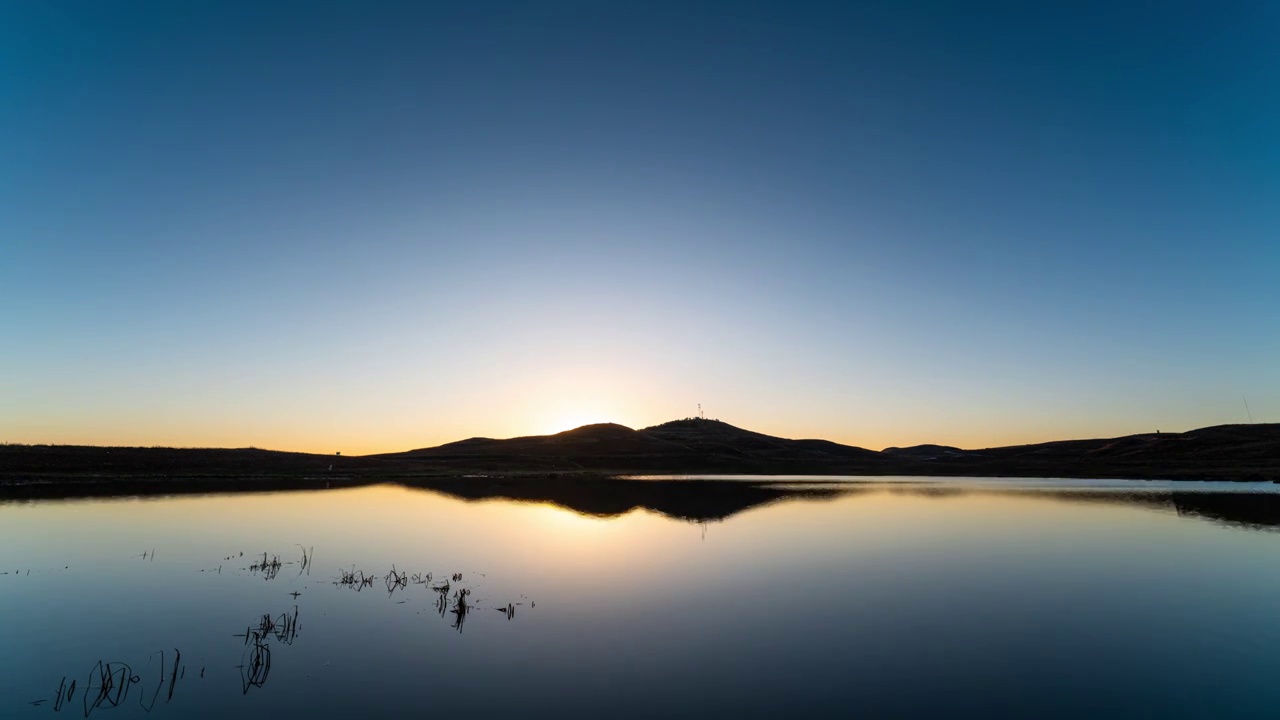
[(628, 427)]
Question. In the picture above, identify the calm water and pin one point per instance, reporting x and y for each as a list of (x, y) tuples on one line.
[(937, 599)]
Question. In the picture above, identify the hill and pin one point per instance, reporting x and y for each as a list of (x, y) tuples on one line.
[(695, 445), (690, 446), (1223, 452), (680, 446)]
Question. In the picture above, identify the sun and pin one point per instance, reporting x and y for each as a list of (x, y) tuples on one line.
[(571, 401), (561, 421)]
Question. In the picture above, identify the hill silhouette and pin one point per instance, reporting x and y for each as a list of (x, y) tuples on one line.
[(1222, 452), (695, 445), (679, 446), (684, 447)]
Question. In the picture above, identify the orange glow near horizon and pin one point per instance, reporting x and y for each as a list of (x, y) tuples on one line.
[(570, 420), (545, 398), (410, 430)]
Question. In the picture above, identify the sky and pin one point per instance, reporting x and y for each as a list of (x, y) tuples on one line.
[(372, 226)]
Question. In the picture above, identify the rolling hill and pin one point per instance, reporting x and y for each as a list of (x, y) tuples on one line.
[(680, 446), (689, 446)]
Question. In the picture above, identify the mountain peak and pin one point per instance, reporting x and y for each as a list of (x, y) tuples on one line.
[(595, 430), (694, 423)]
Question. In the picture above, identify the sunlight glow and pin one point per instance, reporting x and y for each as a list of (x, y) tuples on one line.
[(570, 420), (561, 418)]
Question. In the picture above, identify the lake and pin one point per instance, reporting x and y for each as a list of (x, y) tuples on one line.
[(915, 598)]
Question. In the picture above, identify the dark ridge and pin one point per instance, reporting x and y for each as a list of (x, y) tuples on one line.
[(690, 446), (926, 452), (724, 443), (89, 461), (141, 487), (585, 435)]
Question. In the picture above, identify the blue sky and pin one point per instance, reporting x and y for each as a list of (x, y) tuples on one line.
[(373, 226)]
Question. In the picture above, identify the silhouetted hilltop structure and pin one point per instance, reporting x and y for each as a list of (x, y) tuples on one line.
[(720, 439), (696, 445)]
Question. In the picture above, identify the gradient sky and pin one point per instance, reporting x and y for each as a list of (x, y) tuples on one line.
[(375, 226)]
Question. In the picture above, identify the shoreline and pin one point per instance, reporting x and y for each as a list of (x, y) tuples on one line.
[(508, 484)]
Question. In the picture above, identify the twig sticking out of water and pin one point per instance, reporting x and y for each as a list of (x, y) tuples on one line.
[(307, 555), (442, 601), (109, 683), (460, 608), (256, 663), (64, 694), (149, 706), (173, 679), (255, 667), (111, 688), (283, 628), (395, 580), (268, 568), (354, 579)]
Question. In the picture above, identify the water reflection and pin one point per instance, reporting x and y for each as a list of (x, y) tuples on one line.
[(690, 500), (1242, 510), (715, 498), (110, 684), (1260, 511), (256, 664), (1054, 600), (702, 501)]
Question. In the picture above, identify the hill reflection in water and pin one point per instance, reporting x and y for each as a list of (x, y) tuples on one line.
[(706, 500), (714, 499)]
